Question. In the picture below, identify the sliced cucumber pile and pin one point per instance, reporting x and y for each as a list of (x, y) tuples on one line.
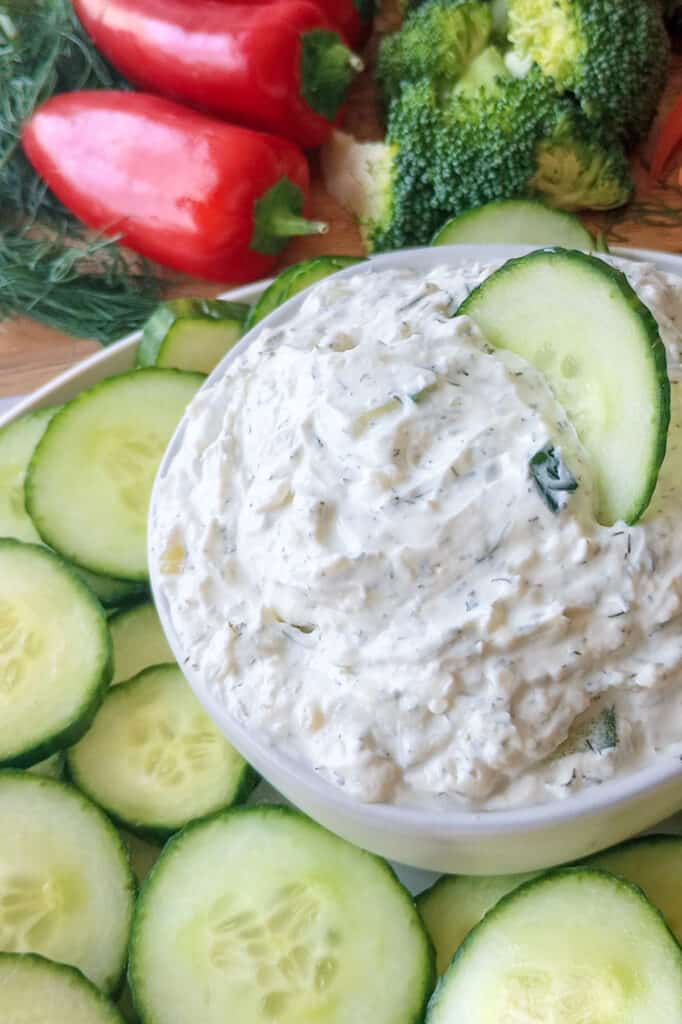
[(621, 418), (455, 903), (55, 654), (516, 222), (575, 946), (154, 759), (293, 280), (191, 334), (654, 863), (138, 640), (90, 478), (285, 923), (66, 888), (34, 990)]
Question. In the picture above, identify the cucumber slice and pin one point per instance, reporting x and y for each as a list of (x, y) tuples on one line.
[(90, 478), (110, 592), (515, 222), (139, 641), (66, 888), (55, 654), (455, 903), (36, 991), (286, 923), (578, 321), (191, 334), (293, 280), (654, 863), (575, 946), (52, 767), (154, 760), (273, 296), (17, 443)]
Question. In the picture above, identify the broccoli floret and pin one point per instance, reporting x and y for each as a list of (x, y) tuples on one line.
[(484, 73), (518, 139), (437, 41), (612, 56), (576, 170)]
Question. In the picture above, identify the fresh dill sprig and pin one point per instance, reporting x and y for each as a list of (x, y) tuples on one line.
[(86, 288), (63, 278)]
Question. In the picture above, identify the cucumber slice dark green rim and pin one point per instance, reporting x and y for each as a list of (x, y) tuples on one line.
[(88, 483), (339, 928), (37, 989), (51, 700), (154, 760), (579, 321), (569, 939), (70, 869)]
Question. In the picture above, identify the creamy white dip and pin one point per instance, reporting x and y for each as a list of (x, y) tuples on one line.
[(359, 565)]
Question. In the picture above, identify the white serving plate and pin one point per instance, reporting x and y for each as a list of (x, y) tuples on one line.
[(479, 843)]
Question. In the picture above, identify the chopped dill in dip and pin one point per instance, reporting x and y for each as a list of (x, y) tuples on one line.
[(378, 545)]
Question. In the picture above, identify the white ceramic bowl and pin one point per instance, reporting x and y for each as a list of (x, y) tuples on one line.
[(448, 840)]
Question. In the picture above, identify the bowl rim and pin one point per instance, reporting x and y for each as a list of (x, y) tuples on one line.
[(292, 776)]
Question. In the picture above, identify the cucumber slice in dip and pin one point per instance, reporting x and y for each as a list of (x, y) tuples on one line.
[(575, 946), (579, 322), (515, 222)]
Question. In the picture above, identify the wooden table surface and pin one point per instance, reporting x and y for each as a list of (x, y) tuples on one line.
[(31, 354)]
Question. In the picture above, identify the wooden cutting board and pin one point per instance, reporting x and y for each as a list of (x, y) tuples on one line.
[(31, 354)]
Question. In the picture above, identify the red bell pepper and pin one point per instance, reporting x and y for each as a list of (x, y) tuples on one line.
[(194, 193), (278, 67), (669, 138), (352, 18)]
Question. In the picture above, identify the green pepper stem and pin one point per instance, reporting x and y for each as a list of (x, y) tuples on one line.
[(327, 69), (278, 215), (284, 226)]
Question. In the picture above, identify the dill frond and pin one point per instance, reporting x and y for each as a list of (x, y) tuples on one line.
[(50, 268), (88, 288)]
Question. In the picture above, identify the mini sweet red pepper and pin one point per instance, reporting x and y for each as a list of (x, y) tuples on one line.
[(352, 18), (278, 67), (185, 189)]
